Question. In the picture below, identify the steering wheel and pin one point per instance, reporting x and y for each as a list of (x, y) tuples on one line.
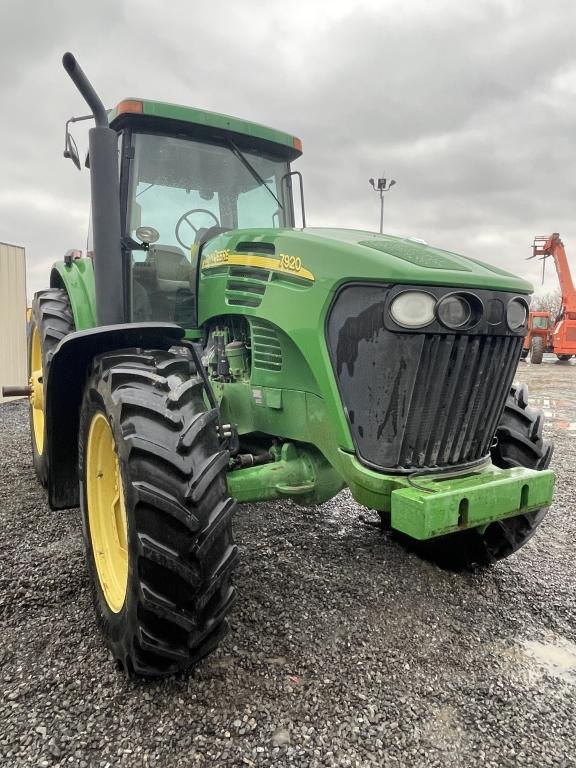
[(184, 218)]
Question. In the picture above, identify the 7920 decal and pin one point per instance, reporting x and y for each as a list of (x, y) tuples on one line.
[(290, 263)]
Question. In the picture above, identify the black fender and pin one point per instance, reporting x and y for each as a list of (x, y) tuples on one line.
[(64, 388)]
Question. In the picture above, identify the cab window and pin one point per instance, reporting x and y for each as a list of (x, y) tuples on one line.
[(182, 190)]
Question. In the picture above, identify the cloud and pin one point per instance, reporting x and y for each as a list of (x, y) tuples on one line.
[(469, 106)]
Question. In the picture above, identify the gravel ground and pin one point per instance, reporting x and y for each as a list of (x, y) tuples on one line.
[(345, 650)]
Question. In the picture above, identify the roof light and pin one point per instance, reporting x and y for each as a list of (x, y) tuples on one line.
[(129, 105), (297, 143)]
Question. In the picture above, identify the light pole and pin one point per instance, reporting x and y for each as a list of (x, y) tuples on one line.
[(380, 186)]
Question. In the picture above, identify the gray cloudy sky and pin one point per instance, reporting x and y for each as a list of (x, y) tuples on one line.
[(471, 106)]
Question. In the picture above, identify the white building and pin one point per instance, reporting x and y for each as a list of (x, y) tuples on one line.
[(13, 363)]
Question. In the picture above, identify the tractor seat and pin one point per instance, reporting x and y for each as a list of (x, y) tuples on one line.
[(173, 298), (171, 265)]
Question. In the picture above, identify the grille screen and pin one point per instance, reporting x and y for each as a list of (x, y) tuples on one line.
[(266, 348), (454, 408), (246, 286)]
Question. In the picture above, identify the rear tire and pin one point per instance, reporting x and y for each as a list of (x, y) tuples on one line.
[(564, 358), (180, 552), (51, 321), (519, 444), (537, 350)]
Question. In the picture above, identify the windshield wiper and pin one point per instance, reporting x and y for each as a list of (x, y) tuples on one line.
[(145, 189), (252, 170)]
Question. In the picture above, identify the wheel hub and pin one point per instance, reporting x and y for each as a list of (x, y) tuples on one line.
[(37, 390), (107, 512)]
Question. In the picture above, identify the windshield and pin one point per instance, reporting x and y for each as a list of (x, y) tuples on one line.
[(540, 322), (185, 189), (220, 185)]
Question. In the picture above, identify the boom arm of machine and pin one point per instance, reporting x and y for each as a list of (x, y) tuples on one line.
[(552, 246), (562, 336)]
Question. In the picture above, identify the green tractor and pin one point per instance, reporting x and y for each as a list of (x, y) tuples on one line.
[(206, 351)]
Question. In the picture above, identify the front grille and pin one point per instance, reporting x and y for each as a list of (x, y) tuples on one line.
[(418, 400), (460, 388)]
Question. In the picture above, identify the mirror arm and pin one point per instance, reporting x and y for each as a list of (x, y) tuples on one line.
[(67, 131), (129, 244)]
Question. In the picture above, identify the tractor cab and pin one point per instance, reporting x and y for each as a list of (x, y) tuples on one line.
[(539, 322), (186, 176)]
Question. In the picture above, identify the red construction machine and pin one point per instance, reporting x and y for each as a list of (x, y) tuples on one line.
[(546, 334)]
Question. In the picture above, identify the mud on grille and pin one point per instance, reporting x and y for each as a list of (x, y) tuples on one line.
[(417, 400)]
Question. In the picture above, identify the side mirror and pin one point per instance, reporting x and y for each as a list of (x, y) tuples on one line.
[(147, 235), (71, 150)]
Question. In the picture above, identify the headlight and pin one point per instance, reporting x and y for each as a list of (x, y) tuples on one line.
[(516, 314), (454, 311), (413, 309)]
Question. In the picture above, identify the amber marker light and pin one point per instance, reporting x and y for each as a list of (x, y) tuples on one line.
[(297, 143), (130, 105)]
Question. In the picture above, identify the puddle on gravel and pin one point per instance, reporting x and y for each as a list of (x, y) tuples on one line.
[(557, 409), (557, 659)]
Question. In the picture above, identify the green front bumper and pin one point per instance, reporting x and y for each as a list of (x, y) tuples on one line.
[(424, 507), (439, 506)]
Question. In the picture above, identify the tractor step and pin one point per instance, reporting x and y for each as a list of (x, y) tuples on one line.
[(435, 506)]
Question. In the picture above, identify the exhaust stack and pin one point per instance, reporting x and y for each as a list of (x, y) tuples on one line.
[(105, 193)]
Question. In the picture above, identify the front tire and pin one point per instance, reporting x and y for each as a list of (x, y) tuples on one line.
[(519, 443), (156, 511), (51, 321), (537, 350)]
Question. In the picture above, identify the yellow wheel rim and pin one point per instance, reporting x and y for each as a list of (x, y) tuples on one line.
[(37, 391), (107, 512)]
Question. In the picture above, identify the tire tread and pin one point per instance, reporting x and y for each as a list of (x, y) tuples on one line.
[(52, 315), (177, 608)]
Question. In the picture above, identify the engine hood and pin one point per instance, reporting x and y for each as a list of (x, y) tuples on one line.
[(330, 257)]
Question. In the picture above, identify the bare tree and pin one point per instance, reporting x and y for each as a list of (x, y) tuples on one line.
[(547, 302)]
